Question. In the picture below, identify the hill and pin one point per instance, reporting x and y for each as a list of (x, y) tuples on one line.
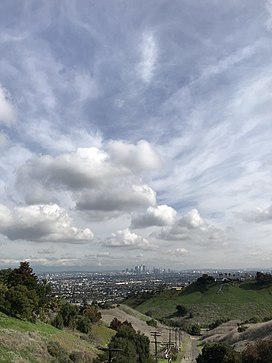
[(24, 342), (205, 304)]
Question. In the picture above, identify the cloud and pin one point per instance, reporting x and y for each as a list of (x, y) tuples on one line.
[(258, 215), (140, 157), (193, 229), (41, 223), (178, 252), (161, 215), (7, 110), (127, 239), (121, 197), (95, 179), (149, 55)]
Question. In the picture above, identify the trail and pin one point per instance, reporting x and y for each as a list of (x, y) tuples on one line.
[(191, 351)]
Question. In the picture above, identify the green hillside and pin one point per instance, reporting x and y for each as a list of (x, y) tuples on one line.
[(241, 301), (22, 341)]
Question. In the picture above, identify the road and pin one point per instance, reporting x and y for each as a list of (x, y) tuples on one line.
[(191, 351)]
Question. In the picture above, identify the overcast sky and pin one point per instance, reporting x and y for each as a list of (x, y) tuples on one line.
[(136, 132)]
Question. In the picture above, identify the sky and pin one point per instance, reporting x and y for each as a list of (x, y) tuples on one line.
[(136, 132)]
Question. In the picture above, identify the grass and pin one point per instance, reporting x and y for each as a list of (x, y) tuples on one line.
[(239, 301), (22, 341)]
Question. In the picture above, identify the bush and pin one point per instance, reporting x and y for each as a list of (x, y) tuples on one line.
[(80, 357), (216, 323), (56, 351), (218, 353), (259, 352), (83, 324), (242, 328), (152, 322), (194, 329), (181, 310)]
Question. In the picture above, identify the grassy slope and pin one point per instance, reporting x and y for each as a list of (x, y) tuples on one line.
[(232, 301), (22, 341)]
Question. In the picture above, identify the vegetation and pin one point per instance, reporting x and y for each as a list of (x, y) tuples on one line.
[(218, 353), (130, 346), (258, 352), (27, 300), (207, 301)]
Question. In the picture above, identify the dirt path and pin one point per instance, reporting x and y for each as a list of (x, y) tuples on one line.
[(191, 351)]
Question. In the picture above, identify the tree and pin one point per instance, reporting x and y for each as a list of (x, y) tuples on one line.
[(194, 330), (21, 302), (68, 313), (181, 310), (91, 312), (22, 276), (218, 353), (134, 347), (259, 352), (83, 324)]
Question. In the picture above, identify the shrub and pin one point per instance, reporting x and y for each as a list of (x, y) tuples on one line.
[(152, 322), (56, 351)]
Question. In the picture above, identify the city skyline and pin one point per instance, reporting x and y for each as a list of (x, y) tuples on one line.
[(136, 133)]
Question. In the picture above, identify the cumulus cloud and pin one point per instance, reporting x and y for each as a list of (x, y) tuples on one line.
[(161, 215), (126, 238), (96, 180), (119, 198), (140, 157), (41, 223), (258, 215), (7, 111), (193, 228)]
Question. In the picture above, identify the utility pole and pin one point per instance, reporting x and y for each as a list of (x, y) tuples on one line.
[(155, 334)]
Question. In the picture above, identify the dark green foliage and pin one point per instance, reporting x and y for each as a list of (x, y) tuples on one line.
[(134, 346), (216, 323), (58, 321), (152, 322), (181, 310), (218, 353), (68, 313), (21, 302), (194, 329), (83, 324), (263, 279), (21, 294), (22, 276), (259, 352)]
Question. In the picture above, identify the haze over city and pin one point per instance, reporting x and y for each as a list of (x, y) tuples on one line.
[(136, 132)]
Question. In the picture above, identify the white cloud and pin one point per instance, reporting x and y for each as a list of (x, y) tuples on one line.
[(161, 215), (149, 55), (126, 238), (191, 228), (7, 110), (41, 223), (140, 157), (95, 180)]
